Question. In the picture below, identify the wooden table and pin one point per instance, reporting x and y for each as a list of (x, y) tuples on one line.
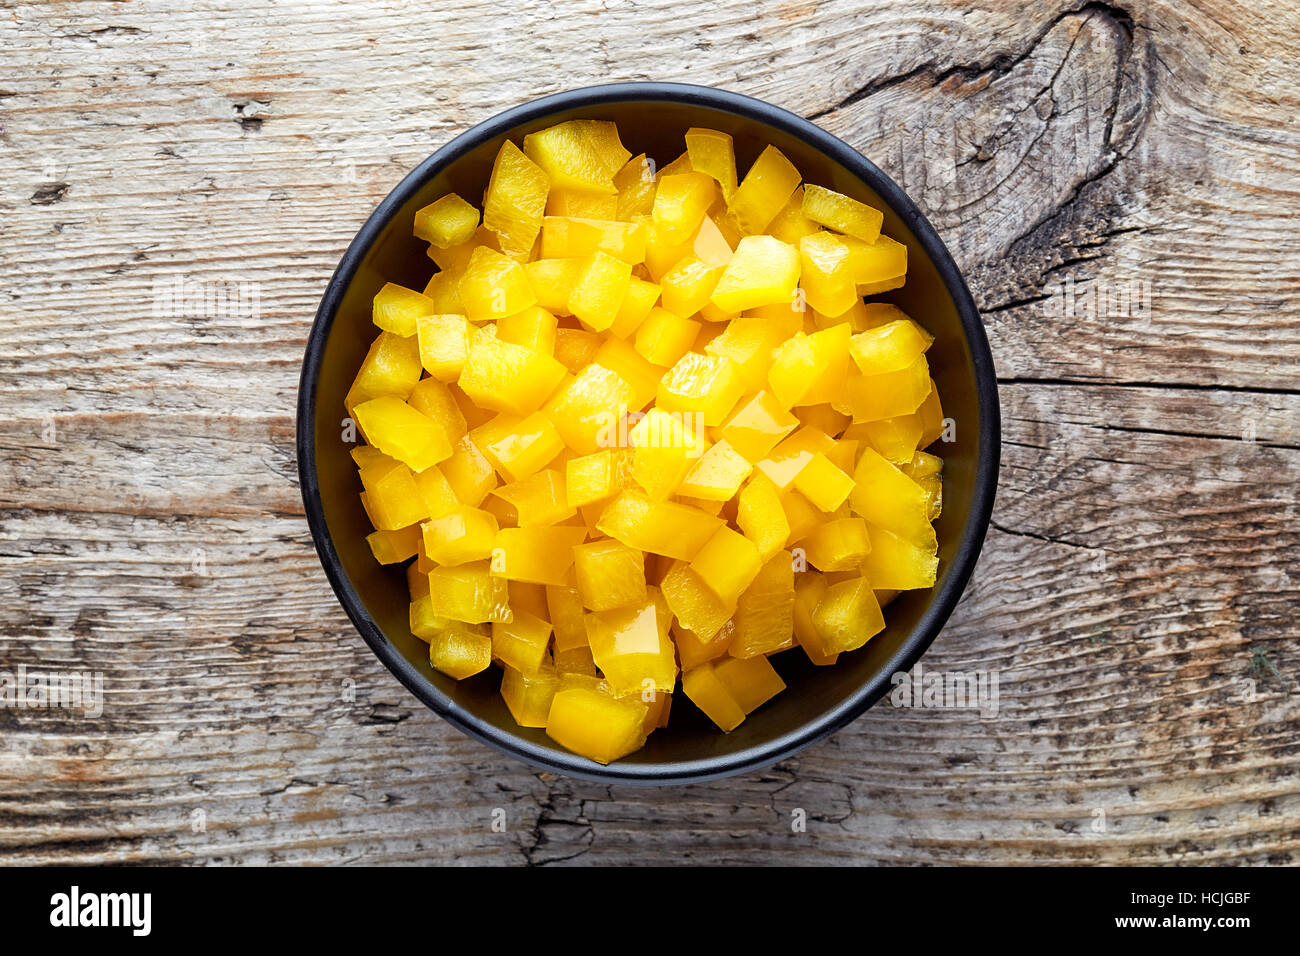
[(1138, 591)]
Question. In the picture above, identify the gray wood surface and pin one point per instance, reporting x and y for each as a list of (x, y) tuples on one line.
[(1138, 592)]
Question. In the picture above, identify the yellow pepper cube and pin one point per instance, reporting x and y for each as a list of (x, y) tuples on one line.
[(692, 650), (793, 454), (889, 348), (933, 424), (540, 499), (632, 367), (635, 183), (537, 555), (400, 432), (897, 563), (434, 399), (393, 496), (569, 237), (793, 371), (823, 484), (761, 517), (711, 245), (763, 271), (460, 652), (570, 158), (665, 447), (390, 547), (838, 545), (749, 341), (395, 309), (581, 205), (661, 254), (586, 411), (711, 152), (469, 473), (534, 328), (595, 725), (447, 222), (830, 349), (610, 574), (493, 286), (444, 345), (790, 224), (390, 369), (575, 349), (827, 273), (660, 527), (636, 308), (848, 615), (664, 337), (567, 616), (694, 604), (464, 535), (897, 439), (728, 563), (763, 192), (706, 384), (874, 263), (687, 287), (454, 259), (603, 139), (717, 474), (469, 593), (757, 426), (593, 478), (751, 682), (632, 649), (598, 292), (681, 202), (506, 377), (521, 642), (515, 201), (873, 397), (518, 447), (426, 622), (889, 499), (765, 610), (841, 213), (551, 280), (808, 590), (528, 696), (703, 688)]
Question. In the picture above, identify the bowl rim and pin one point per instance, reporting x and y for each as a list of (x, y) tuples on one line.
[(944, 599)]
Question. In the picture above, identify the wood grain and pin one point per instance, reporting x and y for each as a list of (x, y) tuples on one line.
[(1138, 590)]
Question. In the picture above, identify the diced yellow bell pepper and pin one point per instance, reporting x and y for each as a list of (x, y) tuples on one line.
[(889, 499), (763, 192), (706, 384), (507, 377), (396, 309), (515, 201), (636, 308), (665, 337), (728, 563), (801, 515), (631, 649), (932, 420), (636, 188), (551, 280), (581, 205), (434, 399), (790, 224), (661, 254), (537, 555), (665, 446), (822, 483), (757, 426), (426, 622), (528, 597), (518, 447), (393, 497), (493, 286), (390, 369), (534, 328), (897, 563), (848, 615), (692, 651), (469, 593), (460, 537), (749, 342), (460, 651), (469, 473), (687, 286), (593, 477), (706, 691), (586, 409), (444, 345), (765, 610), (610, 574), (598, 726), (521, 642), (528, 696), (711, 152), (761, 517), (400, 432), (575, 349), (876, 262), (570, 158), (540, 499), (838, 545), (895, 438), (889, 348), (568, 237), (661, 527), (576, 661), (598, 292), (602, 136), (711, 245), (447, 222), (390, 547), (453, 260), (791, 456), (873, 397), (621, 357), (717, 474), (809, 587), (694, 604), (566, 614), (827, 273), (681, 203), (763, 271), (751, 682), (841, 213)]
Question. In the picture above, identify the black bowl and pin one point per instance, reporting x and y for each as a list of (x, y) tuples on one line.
[(651, 118)]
